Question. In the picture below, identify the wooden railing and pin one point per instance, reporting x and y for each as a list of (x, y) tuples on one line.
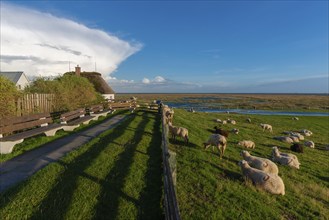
[(169, 176)]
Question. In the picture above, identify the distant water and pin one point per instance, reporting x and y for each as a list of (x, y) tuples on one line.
[(199, 107)]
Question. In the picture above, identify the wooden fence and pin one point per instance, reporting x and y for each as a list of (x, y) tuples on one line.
[(35, 103), (169, 176)]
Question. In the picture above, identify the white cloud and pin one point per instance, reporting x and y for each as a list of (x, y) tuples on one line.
[(43, 44), (159, 79), (146, 81)]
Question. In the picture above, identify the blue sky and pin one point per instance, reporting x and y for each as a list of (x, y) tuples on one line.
[(197, 46)]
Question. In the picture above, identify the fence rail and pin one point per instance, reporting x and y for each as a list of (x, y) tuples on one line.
[(35, 103), (170, 200)]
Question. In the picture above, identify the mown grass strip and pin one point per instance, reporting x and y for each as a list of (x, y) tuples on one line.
[(210, 188), (117, 175)]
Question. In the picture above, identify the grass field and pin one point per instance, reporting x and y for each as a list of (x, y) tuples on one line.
[(213, 188), (117, 175)]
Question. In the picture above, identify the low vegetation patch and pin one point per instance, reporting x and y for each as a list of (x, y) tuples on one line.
[(212, 188)]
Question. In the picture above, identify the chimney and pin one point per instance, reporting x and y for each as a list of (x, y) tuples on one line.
[(77, 70)]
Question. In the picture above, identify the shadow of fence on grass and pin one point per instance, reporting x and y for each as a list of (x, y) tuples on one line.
[(58, 200)]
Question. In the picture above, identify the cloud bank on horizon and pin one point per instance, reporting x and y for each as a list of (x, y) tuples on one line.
[(42, 44)]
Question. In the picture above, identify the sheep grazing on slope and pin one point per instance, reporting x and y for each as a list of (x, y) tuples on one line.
[(248, 120), (295, 134), (178, 131), (218, 120), (235, 131), (275, 148), (306, 132), (266, 127), (297, 148), (218, 141), (295, 118), (309, 144), (224, 122), (260, 163), (221, 131), (233, 122), (284, 139), (247, 144), (285, 159), (271, 183), (294, 139)]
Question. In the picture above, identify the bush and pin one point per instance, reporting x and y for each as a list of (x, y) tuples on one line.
[(8, 96), (71, 92)]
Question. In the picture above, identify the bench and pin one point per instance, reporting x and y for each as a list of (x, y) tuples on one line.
[(73, 119), (14, 130), (98, 110), (121, 106)]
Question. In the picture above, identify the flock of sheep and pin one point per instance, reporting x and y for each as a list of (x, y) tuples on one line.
[(261, 171)]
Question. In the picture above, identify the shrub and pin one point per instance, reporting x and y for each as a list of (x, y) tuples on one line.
[(8, 96)]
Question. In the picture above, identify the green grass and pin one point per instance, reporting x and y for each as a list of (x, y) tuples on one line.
[(212, 188), (117, 175), (39, 140)]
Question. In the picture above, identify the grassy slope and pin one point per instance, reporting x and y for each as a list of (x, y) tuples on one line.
[(117, 175), (210, 188)]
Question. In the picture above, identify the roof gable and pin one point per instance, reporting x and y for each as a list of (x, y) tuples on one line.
[(12, 76)]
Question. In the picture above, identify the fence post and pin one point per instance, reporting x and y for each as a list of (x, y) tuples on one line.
[(170, 200)]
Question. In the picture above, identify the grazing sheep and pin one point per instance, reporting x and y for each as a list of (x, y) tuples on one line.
[(266, 127), (309, 144), (295, 134), (248, 120), (271, 183), (235, 131), (294, 138), (218, 141), (247, 144), (224, 122), (169, 113), (221, 132), (275, 148), (295, 118), (306, 132), (260, 163), (297, 148), (233, 122), (285, 159), (218, 120), (284, 139), (178, 131)]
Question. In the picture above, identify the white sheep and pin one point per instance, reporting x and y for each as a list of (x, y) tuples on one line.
[(233, 122), (271, 183), (266, 127), (218, 120), (247, 144), (294, 138), (178, 131), (224, 122), (260, 163), (275, 148), (218, 141), (235, 131), (285, 159), (306, 132), (295, 118), (295, 134), (309, 144), (284, 139), (248, 120)]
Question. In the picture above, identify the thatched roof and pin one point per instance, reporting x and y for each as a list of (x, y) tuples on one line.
[(100, 84)]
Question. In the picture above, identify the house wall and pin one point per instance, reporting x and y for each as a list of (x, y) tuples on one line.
[(108, 96), (22, 82)]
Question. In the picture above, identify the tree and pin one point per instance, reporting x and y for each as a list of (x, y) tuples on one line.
[(8, 96)]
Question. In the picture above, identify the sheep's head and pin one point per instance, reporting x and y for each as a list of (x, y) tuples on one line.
[(245, 153), (243, 163)]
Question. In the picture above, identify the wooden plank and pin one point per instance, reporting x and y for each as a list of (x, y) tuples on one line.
[(16, 120), (25, 125)]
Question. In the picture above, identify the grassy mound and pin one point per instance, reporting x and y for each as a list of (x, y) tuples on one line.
[(213, 188)]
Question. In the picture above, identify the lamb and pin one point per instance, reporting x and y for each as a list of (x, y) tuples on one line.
[(218, 120), (285, 159), (266, 127), (260, 163), (309, 144), (178, 131), (271, 183), (306, 132), (248, 120), (297, 148), (218, 141), (221, 132), (235, 131), (224, 122), (295, 118), (284, 139), (247, 144), (233, 122)]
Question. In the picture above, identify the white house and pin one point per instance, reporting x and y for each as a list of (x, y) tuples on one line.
[(18, 78)]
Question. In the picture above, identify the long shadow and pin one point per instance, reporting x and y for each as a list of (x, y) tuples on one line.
[(58, 200), (150, 198), (111, 189)]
